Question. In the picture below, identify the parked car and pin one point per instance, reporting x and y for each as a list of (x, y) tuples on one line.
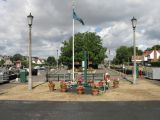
[(148, 65), (34, 71), (7, 75), (42, 68), (4, 76), (12, 75)]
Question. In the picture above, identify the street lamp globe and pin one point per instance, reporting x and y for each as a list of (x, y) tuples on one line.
[(30, 19), (134, 22)]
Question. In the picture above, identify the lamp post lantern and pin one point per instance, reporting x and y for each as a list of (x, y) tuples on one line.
[(134, 22), (30, 20)]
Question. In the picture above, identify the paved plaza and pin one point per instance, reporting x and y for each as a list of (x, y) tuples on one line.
[(144, 90)]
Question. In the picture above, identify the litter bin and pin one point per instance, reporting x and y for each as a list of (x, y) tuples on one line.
[(34, 71), (23, 75), (137, 71)]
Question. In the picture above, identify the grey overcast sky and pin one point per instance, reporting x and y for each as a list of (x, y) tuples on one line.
[(52, 24)]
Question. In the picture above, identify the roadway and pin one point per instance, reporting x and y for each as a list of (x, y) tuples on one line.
[(34, 110)]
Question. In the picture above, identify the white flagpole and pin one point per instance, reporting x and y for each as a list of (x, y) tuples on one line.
[(73, 51), (109, 58), (73, 6)]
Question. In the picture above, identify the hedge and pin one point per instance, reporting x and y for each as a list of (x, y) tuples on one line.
[(155, 64)]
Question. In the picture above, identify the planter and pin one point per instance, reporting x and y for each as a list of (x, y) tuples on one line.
[(115, 84), (79, 82), (91, 82), (100, 84), (95, 92), (80, 90), (51, 86), (63, 89)]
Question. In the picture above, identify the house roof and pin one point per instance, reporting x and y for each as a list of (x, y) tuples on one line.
[(146, 53), (8, 62)]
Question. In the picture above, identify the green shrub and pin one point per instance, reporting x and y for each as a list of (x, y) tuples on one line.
[(155, 64)]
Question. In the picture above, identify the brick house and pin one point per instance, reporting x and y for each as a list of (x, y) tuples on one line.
[(148, 56), (38, 61), (151, 56)]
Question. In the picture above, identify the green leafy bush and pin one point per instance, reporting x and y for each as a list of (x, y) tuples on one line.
[(155, 64)]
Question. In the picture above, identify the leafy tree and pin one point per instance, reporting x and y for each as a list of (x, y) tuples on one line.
[(115, 61), (124, 54), (148, 49), (51, 61), (138, 52), (2, 62), (157, 47), (87, 41), (25, 63), (18, 57)]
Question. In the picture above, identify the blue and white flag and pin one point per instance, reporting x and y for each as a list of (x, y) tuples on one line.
[(77, 18)]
